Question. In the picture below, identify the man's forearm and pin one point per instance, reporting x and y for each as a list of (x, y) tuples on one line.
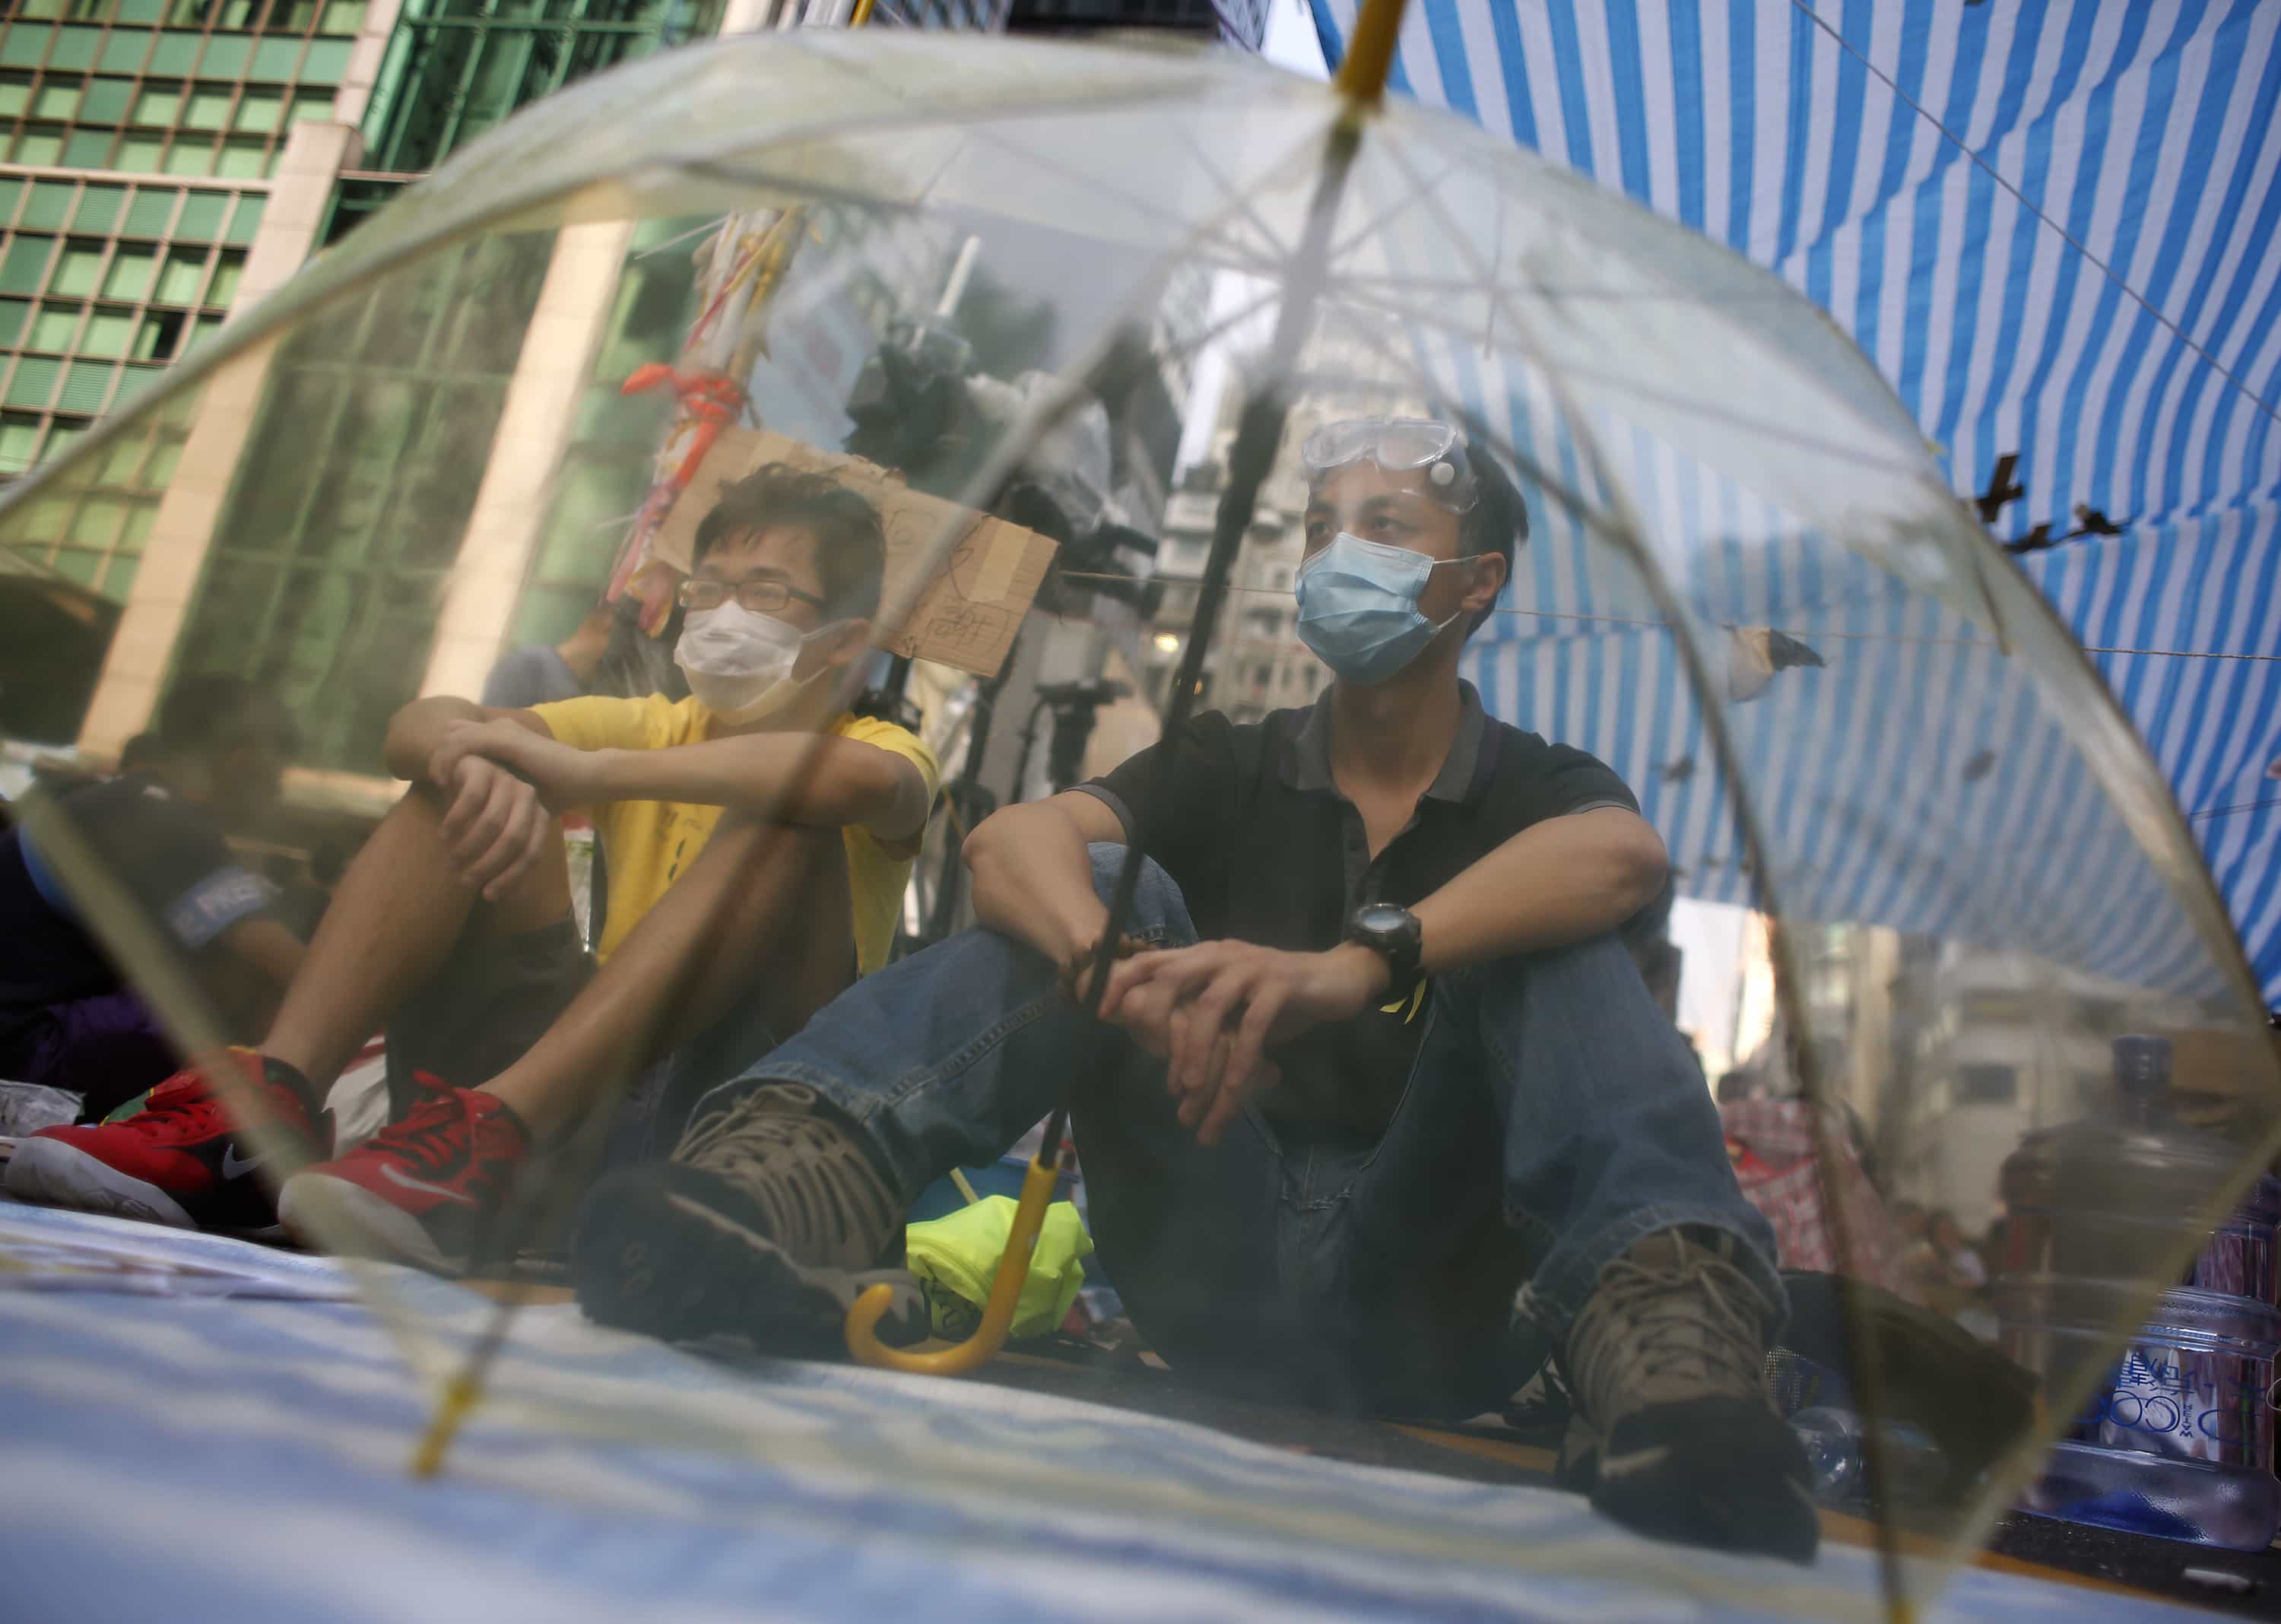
[(415, 730), (1564, 880), (1033, 880), (796, 778)]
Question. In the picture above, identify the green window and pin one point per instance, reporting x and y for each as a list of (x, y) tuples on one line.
[(20, 436), (178, 282), (75, 49), (202, 215), (274, 60), (108, 333), (23, 47), (226, 56), (49, 205), (457, 67), (122, 52), (209, 107), (148, 214), (173, 55), (57, 101), (98, 208), (24, 265), (130, 274), (74, 273), (325, 587), (33, 382), (259, 112), (107, 101), (53, 329)]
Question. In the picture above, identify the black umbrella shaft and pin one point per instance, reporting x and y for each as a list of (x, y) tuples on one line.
[(1258, 433)]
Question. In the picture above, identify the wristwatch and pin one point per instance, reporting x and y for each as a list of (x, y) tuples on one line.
[(1394, 934)]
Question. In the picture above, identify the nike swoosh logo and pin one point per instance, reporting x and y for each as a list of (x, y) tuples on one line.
[(404, 1180), (237, 1167)]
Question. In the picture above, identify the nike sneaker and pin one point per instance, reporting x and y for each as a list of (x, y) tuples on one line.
[(768, 1221), (182, 1159), (423, 1191), (1673, 1434)]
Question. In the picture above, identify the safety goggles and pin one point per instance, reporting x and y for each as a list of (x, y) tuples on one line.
[(1399, 446)]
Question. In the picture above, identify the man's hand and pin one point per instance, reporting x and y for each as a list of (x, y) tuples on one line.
[(563, 776), (495, 828), (1214, 1009)]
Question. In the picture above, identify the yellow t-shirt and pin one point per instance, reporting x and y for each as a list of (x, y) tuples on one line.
[(647, 843)]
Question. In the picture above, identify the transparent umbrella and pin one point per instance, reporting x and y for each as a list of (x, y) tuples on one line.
[(424, 448)]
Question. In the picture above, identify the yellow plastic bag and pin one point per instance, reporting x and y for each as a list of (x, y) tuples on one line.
[(955, 1258)]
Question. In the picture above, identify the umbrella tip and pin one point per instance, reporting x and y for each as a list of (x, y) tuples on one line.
[(1370, 52)]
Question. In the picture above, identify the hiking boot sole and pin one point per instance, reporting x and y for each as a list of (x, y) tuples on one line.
[(647, 1258), (1725, 1474)]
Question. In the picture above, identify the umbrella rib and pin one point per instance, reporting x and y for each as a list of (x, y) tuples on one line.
[(1640, 391), (1275, 247), (977, 126)]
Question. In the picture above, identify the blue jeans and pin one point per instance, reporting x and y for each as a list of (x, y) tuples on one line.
[(1552, 1119)]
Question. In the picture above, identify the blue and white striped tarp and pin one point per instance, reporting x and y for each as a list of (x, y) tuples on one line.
[(2050, 224), (191, 1457)]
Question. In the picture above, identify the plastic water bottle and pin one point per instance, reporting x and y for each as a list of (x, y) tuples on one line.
[(1837, 1451)]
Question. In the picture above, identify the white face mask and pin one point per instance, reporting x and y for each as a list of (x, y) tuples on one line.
[(739, 663)]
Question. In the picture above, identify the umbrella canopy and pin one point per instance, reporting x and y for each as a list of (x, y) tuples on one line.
[(2040, 222), (1704, 458)]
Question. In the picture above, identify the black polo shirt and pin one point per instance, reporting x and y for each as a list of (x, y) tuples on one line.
[(1265, 849)]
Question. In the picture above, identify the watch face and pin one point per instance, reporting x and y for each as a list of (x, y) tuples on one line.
[(1381, 918)]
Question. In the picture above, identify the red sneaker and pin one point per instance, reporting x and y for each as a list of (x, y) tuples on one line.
[(181, 1160), (421, 1191)]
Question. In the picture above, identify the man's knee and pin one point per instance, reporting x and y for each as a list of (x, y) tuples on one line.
[(1158, 908)]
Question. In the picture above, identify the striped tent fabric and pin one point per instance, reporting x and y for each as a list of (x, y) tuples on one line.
[(2048, 223)]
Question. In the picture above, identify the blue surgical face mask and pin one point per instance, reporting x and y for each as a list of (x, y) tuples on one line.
[(1358, 608)]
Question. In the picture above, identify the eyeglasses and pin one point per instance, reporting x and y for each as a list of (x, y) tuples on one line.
[(1397, 445), (764, 596)]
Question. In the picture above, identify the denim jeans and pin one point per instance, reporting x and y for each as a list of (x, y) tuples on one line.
[(1552, 1118)]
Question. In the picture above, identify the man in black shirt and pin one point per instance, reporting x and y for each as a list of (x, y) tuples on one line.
[(1379, 1115), (214, 761)]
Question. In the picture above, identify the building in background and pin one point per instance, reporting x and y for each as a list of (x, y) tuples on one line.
[(144, 143), (169, 163)]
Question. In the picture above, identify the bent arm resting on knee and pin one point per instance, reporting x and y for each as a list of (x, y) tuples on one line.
[(415, 730), (1565, 880), (812, 780), (1032, 878)]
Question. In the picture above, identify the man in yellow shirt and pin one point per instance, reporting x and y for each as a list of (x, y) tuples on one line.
[(758, 841)]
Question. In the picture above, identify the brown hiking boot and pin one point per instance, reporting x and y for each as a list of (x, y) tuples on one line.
[(1672, 1435), (768, 1221)]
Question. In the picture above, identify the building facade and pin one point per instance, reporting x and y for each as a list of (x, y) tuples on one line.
[(171, 162)]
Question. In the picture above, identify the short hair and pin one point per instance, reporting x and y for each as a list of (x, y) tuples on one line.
[(1497, 522), (851, 544), (214, 711)]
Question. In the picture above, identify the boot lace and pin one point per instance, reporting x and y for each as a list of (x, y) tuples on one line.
[(1670, 1321), (819, 1197)]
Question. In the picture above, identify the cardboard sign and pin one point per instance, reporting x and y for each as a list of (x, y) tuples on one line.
[(966, 615)]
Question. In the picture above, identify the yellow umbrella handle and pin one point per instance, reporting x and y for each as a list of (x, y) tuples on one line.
[(997, 1314)]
